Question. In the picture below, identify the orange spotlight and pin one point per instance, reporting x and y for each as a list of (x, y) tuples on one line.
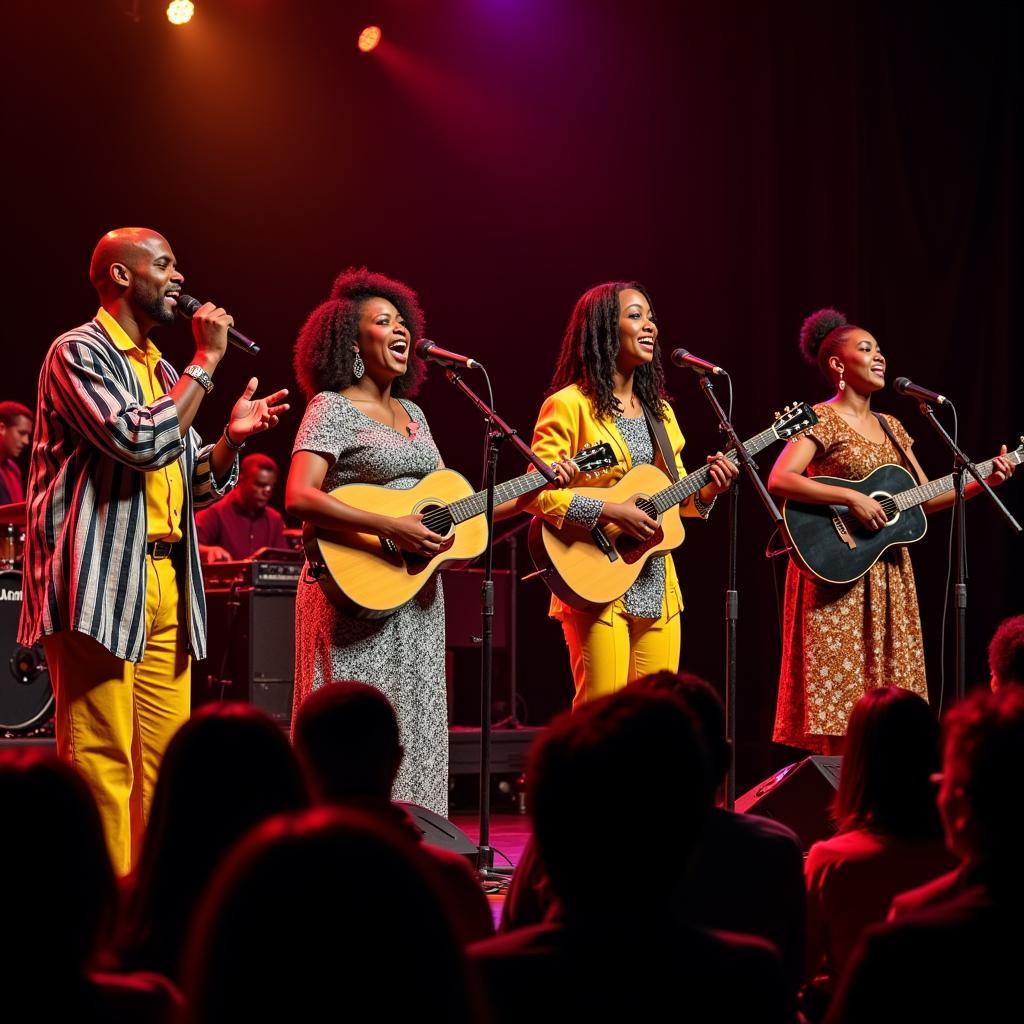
[(369, 38), (180, 12)]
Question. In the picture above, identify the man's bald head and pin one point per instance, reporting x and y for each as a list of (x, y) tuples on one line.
[(123, 247)]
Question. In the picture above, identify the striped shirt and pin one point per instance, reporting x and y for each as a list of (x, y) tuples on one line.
[(85, 541)]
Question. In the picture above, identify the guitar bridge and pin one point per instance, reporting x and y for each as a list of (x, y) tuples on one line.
[(604, 544), (843, 531)]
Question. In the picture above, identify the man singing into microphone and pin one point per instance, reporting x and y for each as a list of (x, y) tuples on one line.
[(113, 583)]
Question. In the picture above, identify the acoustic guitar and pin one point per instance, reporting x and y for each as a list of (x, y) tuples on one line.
[(830, 545), (590, 568), (370, 578)]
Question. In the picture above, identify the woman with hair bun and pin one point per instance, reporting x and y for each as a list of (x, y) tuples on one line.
[(839, 641)]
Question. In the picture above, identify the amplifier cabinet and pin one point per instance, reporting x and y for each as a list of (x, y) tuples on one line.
[(250, 650)]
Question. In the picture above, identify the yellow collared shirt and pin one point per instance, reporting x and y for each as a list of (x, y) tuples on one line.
[(165, 488)]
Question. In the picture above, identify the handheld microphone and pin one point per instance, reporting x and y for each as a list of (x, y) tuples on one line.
[(187, 307), (427, 349), (680, 357), (902, 386)]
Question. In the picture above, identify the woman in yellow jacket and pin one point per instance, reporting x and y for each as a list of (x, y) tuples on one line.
[(609, 369)]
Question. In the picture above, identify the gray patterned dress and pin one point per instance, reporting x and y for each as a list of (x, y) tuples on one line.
[(402, 655)]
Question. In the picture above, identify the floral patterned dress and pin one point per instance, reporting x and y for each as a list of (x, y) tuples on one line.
[(403, 654), (841, 641)]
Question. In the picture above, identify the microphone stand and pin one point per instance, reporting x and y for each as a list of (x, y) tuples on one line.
[(962, 464), (511, 721), (498, 431), (732, 599)]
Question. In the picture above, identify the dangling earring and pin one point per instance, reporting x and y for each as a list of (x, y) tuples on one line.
[(842, 383), (358, 366)]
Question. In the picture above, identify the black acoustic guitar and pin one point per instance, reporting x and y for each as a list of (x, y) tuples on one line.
[(830, 545)]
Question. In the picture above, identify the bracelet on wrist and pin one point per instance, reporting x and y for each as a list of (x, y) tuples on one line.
[(231, 444), (703, 509), (199, 375)]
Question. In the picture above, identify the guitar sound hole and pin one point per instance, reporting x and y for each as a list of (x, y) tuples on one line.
[(437, 518)]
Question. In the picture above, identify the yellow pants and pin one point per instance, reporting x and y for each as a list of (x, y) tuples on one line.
[(611, 648), (114, 718)]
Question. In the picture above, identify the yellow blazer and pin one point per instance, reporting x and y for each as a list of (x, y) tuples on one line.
[(567, 422)]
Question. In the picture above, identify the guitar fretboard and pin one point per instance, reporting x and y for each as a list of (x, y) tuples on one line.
[(925, 492), (476, 504), (693, 482)]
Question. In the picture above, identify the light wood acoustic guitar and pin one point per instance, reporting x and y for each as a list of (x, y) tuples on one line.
[(591, 568), (370, 578), (830, 545)]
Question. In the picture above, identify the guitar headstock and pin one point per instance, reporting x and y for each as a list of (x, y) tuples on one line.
[(592, 458), (793, 420), (1017, 455)]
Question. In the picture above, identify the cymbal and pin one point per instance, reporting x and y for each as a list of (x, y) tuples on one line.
[(13, 514)]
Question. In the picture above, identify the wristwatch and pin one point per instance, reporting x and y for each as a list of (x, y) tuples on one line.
[(199, 375)]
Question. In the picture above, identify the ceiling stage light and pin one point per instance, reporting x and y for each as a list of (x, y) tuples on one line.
[(179, 12), (369, 38)]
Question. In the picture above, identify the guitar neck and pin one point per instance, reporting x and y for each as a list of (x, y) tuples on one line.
[(476, 504), (925, 492), (693, 482)]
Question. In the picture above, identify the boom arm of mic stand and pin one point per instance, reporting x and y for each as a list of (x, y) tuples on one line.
[(500, 425), (964, 463), (742, 455)]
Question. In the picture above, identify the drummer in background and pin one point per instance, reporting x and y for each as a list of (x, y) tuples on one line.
[(15, 434), (243, 522)]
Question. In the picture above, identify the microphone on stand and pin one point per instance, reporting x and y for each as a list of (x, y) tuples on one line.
[(427, 349), (902, 386), (187, 307), (681, 357)]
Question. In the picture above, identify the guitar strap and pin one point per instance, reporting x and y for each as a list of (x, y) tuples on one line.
[(661, 441), (892, 437)]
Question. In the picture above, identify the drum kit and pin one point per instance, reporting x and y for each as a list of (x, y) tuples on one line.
[(26, 697)]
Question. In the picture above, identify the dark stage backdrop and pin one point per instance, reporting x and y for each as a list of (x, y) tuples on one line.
[(748, 162)]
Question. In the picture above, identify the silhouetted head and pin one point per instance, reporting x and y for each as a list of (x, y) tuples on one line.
[(890, 755), (982, 793), (706, 707), (611, 787), (326, 908), (60, 895), (1006, 653), (346, 736), (226, 770)]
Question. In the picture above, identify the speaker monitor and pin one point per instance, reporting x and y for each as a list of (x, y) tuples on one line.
[(800, 796), (438, 831)]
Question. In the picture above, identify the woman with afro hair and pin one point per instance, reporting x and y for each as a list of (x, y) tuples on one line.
[(354, 360), (841, 641), (609, 386)]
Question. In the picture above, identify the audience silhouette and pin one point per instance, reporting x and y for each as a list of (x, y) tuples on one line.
[(324, 915), (226, 770)]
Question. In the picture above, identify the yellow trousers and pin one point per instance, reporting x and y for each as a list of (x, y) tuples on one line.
[(611, 648), (115, 718)]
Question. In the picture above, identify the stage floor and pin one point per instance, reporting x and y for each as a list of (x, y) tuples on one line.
[(508, 835)]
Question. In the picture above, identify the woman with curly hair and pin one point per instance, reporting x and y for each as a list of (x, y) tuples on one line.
[(354, 360), (609, 385), (839, 641)]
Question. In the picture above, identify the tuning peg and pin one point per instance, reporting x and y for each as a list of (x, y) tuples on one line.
[(778, 415)]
